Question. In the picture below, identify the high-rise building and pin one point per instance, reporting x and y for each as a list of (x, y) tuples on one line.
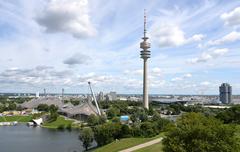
[(100, 96), (62, 94), (225, 93), (37, 94), (145, 54), (44, 92), (113, 95)]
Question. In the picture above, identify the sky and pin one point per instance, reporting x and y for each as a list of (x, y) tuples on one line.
[(57, 44)]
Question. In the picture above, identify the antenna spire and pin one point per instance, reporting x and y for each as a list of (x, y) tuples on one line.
[(145, 22)]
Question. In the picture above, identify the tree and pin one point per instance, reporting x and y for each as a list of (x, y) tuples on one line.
[(53, 108), (148, 129), (107, 132), (43, 107), (12, 106), (93, 120), (86, 136), (150, 111), (53, 113), (195, 132), (102, 134), (230, 115), (125, 131), (113, 112), (102, 119)]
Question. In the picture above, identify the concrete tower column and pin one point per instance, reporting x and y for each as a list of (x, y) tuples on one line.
[(145, 84)]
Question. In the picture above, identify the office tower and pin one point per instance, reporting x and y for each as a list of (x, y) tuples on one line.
[(225, 93)]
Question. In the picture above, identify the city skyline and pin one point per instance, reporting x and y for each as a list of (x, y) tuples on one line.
[(66, 43)]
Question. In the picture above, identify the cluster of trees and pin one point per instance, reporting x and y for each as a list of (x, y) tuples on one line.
[(104, 133), (94, 120), (231, 115), (18, 100), (75, 102), (124, 104), (52, 109), (8, 106), (195, 132)]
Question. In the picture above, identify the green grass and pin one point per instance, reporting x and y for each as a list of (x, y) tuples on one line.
[(60, 121), (15, 118), (153, 148), (124, 143)]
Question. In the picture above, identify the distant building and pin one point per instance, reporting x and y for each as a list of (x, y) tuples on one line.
[(112, 96), (225, 93), (37, 94), (100, 96)]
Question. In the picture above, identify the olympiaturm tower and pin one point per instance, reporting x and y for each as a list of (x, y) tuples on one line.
[(145, 54)]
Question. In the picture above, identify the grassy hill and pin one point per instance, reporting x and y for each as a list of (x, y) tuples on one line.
[(124, 143)]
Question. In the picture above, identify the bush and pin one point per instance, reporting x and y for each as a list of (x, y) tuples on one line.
[(43, 107), (148, 129), (61, 127), (69, 127), (107, 132), (93, 120)]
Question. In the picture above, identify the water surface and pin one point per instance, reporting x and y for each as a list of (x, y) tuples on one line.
[(22, 138)]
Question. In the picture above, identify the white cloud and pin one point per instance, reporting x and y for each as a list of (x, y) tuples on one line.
[(67, 16), (206, 56), (205, 83), (183, 77), (170, 35), (231, 37), (188, 75), (196, 38), (157, 72), (232, 18), (77, 59)]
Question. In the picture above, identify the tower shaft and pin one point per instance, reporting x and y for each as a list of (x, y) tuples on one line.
[(145, 84)]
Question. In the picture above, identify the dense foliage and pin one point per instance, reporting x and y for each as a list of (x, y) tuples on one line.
[(94, 120), (195, 132), (86, 136), (231, 115)]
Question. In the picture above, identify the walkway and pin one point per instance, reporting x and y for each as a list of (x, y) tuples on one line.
[(142, 145)]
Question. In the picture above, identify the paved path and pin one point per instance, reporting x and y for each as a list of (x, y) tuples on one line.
[(142, 145)]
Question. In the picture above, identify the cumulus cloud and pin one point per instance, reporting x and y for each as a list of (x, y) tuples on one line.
[(77, 59), (183, 77), (206, 56), (67, 16), (39, 75), (205, 83), (232, 18), (154, 72), (231, 37), (96, 78), (168, 35)]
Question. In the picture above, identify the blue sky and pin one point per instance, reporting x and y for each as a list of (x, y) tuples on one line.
[(56, 44)]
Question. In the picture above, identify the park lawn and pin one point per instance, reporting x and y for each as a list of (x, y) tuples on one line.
[(124, 143), (153, 148), (15, 118), (55, 124)]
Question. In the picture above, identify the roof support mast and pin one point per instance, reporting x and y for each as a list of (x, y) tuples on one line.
[(94, 97)]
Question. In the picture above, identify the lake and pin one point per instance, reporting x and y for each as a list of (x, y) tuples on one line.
[(22, 138)]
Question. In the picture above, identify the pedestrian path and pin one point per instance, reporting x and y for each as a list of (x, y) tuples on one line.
[(152, 142)]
